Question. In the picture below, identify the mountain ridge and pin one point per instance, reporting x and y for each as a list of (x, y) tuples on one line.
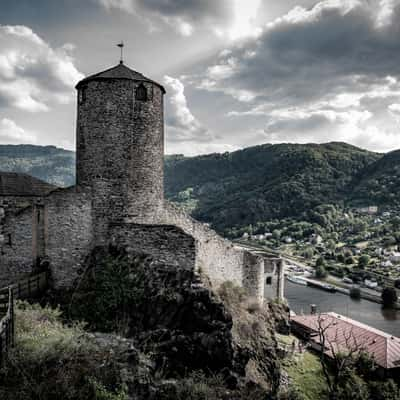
[(254, 184)]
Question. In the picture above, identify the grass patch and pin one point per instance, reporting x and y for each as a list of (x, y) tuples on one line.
[(306, 376), (56, 361)]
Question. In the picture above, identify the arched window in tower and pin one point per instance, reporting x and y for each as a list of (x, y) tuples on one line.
[(141, 93)]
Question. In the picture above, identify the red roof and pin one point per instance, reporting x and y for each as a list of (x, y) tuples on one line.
[(345, 333)]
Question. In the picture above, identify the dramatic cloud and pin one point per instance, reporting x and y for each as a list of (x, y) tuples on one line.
[(340, 54), (33, 76), (228, 18), (181, 123), (11, 133), (182, 15)]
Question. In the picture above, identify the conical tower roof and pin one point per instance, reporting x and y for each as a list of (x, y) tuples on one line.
[(120, 71)]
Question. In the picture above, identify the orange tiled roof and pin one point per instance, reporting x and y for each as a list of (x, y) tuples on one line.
[(342, 332)]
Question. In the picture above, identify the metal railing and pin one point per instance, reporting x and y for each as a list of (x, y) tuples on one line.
[(24, 289)]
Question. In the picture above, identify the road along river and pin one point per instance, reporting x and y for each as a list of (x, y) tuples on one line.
[(301, 297)]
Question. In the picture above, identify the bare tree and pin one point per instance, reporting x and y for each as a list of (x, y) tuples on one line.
[(337, 354)]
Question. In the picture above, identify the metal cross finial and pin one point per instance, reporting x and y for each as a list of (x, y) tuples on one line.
[(121, 46)]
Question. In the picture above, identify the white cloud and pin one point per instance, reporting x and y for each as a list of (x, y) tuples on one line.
[(11, 133), (32, 74), (325, 73), (395, 108), (386, 12), (230, 19), (182, 125)]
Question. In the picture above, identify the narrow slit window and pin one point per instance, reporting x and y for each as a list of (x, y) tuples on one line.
[(82, 95), (269, 280), (141, 93)]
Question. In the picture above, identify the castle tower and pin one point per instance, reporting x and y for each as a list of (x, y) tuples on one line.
[(120, 144)]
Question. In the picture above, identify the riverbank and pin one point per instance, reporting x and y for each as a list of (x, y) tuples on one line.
[(300, 298), (365, 294)]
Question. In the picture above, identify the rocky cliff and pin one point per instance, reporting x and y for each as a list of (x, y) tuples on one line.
[(178, 324)]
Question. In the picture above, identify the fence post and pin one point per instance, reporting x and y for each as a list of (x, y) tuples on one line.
[(1, 346), (7, 334), (12, 317)]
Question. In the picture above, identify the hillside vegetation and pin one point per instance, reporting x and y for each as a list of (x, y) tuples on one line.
[(264, 182), (244, 187), (49, 163)]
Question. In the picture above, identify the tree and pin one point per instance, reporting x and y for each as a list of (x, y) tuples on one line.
[(340, 258), (355, 293), (389, 297), (363, 261), (320, 262), (276, 234), (308, 253), (349, 260), (339, 368), (387, 390), (320, 272), (331, 245), (395, 221)]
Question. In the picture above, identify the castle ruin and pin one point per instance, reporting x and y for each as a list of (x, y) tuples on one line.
[(118, 198)]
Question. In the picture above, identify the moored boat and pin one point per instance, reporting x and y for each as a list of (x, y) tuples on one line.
[(297, 280), (323, 286)]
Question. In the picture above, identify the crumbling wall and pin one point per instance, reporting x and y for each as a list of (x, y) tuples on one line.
[(274, 269), (165, 243), (219, 258), (215, 256)]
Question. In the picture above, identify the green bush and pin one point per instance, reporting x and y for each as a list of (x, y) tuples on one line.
[(355, 293), (54, 361), (114, 285), (389, 297), (320, 272)]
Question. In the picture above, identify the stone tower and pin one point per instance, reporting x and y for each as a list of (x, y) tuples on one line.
[(120, 145)]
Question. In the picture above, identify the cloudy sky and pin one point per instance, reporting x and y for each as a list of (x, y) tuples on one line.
[(237, 72)]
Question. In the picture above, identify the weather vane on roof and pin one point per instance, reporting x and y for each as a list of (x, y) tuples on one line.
[(121, 46)]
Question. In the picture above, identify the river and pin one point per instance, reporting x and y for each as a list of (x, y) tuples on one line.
[(300, 297)]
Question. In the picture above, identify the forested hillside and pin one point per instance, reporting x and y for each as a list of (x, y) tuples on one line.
[(49, 163), (380, 181), (251, 185), (264, 182)]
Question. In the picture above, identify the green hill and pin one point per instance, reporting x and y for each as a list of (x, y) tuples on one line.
[(252, 185), (264, 182), (380, 182)]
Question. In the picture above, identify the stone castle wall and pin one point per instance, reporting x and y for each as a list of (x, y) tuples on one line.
[(16, 253), (215, 256), (68, 234), (219, 258), (64, 227)]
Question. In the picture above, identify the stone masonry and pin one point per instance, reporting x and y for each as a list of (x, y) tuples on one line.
[(118, 199)]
